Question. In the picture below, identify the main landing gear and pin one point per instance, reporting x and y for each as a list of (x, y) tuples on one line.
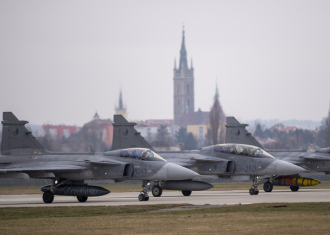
[(48, 197), (254, 188), (294, 188), (186, 193), (157, 191), (82, 199), (268, 187)]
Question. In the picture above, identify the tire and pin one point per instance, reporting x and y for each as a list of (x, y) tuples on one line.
[(186, 193), (294, 188), (82, 199), (146, 198), (48, 197), (268, 187), (157, 191), (251, 191), (256, 191), (141, 197)]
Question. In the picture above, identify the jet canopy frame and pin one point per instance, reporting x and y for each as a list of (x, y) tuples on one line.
[(242, 149), (141, 154)]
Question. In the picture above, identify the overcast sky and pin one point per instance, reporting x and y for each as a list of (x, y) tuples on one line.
[(60, 61)]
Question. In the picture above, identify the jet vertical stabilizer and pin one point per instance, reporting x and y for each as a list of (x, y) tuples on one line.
[(125, 135), (237, 134), (16, 136)]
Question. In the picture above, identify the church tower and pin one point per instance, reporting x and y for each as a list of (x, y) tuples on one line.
[(121, 109), (183, 82)]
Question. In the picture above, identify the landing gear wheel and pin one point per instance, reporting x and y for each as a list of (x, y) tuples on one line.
[(157, 191), (82, 199), (294, 188), (254, 191), (268, 187), (142, 197), (251, 191), (48, 197), (186, 193)]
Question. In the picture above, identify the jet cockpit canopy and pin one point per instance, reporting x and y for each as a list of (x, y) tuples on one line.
[(242, 149), (141, 154)]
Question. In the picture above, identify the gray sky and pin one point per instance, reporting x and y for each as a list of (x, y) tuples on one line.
[(60, 61)]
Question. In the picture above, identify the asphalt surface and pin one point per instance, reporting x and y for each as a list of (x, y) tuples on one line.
[(169, 197)]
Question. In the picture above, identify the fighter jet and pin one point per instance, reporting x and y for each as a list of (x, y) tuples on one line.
[(22, 156), (223, 160), (314, 161)]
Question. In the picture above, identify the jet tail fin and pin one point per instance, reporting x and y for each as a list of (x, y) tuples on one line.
[(15, 135), (237, 134), (126, 136)]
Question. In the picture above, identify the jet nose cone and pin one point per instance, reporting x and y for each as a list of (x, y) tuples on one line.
[(176, 172), (286, 168)]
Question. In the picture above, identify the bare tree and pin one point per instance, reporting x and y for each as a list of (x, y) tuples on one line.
[(327, 130), (162, 138), (50, 143), (208, 137), (215, 118)]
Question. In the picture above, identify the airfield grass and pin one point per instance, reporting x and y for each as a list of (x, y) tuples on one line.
[(11, 190), (278, 218)]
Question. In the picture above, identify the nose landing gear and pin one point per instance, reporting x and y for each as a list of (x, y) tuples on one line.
[(254, 188), (144, 192)]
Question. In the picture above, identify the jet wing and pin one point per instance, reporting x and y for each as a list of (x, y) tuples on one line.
[(208, 159), (59, 168), (104, 162), (50, 168), (315, 157), (184, 164)]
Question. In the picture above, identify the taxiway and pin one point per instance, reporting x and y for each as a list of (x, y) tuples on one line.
[(174, 197)]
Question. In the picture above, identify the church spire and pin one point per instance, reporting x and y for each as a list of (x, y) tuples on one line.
[(216, 92), (183, 53), (121, 109), (120, 103)]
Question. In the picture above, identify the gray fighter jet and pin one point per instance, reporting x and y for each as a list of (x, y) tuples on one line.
[(22, 156), (313, 161), (223, 160)]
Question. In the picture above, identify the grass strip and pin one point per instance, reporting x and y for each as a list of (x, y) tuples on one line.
[(277, 218), (15, 213)]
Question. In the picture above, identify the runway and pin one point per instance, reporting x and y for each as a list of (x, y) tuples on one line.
[(174, 197)]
